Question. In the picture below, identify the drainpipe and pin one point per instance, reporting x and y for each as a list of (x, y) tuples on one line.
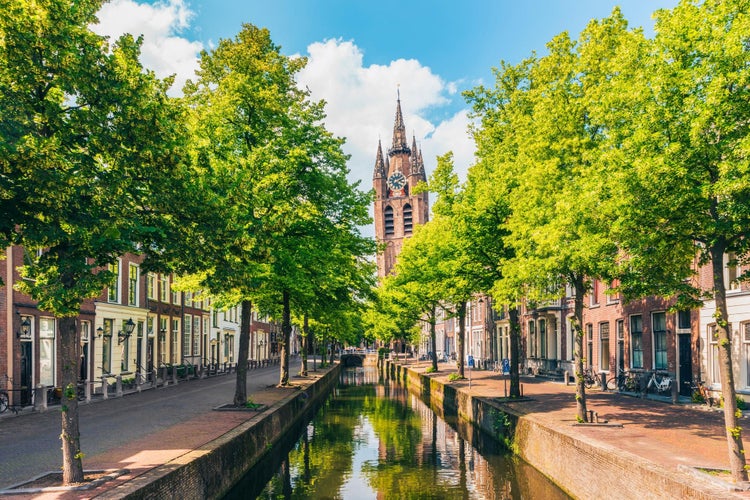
[(10, 329)]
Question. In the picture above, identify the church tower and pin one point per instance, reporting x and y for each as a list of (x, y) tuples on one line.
[(397, 209)]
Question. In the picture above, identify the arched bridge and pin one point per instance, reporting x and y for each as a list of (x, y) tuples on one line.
[(352, 360)]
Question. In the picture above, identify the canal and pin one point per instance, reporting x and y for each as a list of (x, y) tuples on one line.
[(372, 439)]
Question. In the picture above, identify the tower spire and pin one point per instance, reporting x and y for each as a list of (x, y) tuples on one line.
[(399, 131), (379, 163)]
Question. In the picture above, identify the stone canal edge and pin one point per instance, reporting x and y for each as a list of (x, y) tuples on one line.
[(211, 470), (582, 467)]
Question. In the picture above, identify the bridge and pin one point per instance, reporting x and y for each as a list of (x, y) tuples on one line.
[(351, 360)]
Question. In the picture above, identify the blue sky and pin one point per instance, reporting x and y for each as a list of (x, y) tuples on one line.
[(360, 52)]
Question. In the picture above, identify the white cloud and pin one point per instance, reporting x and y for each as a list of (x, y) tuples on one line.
[(361, 106), (361, 100), (163, 50)]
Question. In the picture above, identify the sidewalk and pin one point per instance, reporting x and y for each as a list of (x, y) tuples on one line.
[(668, 435), (158, 445)]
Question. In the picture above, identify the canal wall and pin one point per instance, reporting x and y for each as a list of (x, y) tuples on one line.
[(211, 470), (583, 469)]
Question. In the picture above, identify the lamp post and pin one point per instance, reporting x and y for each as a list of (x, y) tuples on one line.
[(124, 335), (25, 332)]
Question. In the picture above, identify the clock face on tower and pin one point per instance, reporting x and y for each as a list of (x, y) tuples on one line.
[(397, 181)]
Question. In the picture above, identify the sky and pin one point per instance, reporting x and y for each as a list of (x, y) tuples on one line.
[(362, 54)]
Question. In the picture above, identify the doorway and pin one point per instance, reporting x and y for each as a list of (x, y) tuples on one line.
[(685, 370), (26, 373)]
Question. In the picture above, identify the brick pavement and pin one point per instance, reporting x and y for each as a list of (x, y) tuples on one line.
[(166, 445)]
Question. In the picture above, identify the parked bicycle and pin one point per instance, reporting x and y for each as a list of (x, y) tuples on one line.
[(589, 378), (623, 381), (4, 401), (702, 394), (660, 382)]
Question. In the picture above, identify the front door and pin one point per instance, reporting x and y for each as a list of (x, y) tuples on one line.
[(686, 364), (26, 366), (149, 359)]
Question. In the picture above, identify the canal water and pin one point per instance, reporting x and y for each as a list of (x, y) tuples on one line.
[(372, 439)]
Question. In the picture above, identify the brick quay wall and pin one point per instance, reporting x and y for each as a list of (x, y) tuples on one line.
[(211, 470), (582, 468)]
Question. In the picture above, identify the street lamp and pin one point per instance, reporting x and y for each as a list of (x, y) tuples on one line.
[(101, 332), (25, 332), (124, 335)]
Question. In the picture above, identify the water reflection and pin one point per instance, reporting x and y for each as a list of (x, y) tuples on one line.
[(374, 439)]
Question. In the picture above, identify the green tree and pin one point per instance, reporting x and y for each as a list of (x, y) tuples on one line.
[(90, 150), (682, 151), (284, 217), (547, 143)]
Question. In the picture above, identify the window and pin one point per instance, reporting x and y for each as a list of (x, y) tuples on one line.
[(589, 344), (604, 346), (133, 285), (189, 299), (151, 286), (595, 293), (636, 341), (112, 294), (388, 219), (612, 298), (163, 288), (196, 335), (175, 341), (407, 219), (659, 326), (683, 320), (714, 369), (47, 351), (215, 318), (543, 339), (186, 336), (745, 332), (162, 339), (109, 327), (175, 297), (532, 339), (732, 272)]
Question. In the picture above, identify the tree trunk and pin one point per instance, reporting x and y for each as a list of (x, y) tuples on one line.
[(515, 352), (731, 421), (240, 387), (286, 334), (70, 435), (433, 340), (460, 345), (581, 413), (305, 346)]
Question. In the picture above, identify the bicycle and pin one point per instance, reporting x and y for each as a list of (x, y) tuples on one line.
[(4, 401), (589, 378), (616, 381), (702, 394), (662, 383)]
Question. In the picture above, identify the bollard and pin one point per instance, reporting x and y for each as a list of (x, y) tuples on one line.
[(164, 379), (40, 398), (87, 390), (105, 389), (675, 395), (118, 386), (603, 380), (174, 375), (566, 374)]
